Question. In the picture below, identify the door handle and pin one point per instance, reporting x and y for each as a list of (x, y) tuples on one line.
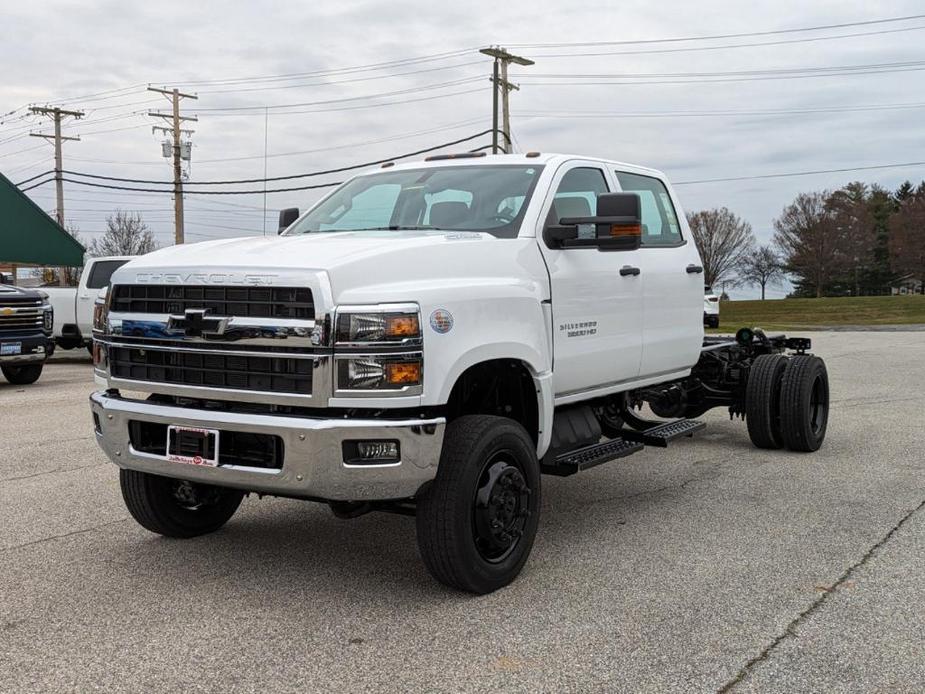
[(629, 270), (694, 269)]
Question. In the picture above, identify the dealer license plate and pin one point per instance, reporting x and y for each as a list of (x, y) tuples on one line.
[(192, 446)]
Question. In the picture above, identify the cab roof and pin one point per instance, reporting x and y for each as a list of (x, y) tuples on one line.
[(541, 158)]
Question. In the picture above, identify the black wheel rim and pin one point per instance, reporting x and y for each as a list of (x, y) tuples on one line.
[(500, 507), (194, 497), (818, 405)]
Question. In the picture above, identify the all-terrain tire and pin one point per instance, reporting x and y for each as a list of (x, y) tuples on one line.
[(457, 536), (22, 374), (804, 403), (158, 506), (762, 400)]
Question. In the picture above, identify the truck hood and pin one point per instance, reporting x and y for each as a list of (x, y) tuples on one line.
[(353, 261), (319, 251)]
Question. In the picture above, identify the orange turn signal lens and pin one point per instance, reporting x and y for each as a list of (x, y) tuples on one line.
[(626, 230), (402, 326), (403, 372)]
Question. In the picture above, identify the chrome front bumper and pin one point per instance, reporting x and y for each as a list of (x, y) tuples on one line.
[(313, 463)]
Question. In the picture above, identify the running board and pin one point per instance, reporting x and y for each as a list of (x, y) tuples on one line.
[(575, 461), (661, 434)]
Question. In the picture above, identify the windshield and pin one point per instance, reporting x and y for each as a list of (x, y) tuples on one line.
[(464, 198)]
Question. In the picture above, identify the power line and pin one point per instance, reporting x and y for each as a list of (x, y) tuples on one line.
[(336, 71), (774, 32), (336, 82), (311, 174), (801, 173), (398, 92), (726, 80), (690, 49), (356, 107), (32, 178), (703, 114), (735, 73)]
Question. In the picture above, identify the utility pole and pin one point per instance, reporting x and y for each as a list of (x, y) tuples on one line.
[(500, 82), (174, 95), (57, 115)]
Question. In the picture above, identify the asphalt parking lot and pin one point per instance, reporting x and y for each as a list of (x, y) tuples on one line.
[(711, 566)]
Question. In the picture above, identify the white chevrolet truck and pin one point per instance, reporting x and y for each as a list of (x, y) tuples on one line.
[(429, 339)]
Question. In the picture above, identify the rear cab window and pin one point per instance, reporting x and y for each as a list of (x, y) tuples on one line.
[(660, 225), (101, 273)]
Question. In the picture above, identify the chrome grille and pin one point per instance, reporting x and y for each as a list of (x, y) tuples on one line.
[(245, 302), (269, 374), (22, 316)]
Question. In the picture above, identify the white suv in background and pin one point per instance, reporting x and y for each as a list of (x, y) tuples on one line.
[(710, 308)]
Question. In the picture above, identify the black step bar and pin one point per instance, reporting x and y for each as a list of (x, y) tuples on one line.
[(658, 434), (583, 458), (661, 434)]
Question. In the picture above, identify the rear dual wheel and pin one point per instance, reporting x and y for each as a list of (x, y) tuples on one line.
[(787, 402)]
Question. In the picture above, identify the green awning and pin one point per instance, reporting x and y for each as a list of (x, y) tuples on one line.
[(29, 236)]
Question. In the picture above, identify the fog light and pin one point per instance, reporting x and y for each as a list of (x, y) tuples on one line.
[(371, 452)]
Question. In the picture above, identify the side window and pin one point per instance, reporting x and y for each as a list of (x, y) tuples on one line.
[(659, 222), (371, 209), (576, 196), (102, 271)]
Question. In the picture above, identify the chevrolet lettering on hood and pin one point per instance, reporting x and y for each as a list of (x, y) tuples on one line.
[(205, 278)]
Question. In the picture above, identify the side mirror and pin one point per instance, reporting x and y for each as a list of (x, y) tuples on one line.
[(618, 224), (623, 231), (287, 217), (556, 235)]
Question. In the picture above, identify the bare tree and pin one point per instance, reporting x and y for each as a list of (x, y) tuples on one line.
[(722, 238), (809, 239), (126, 234), (763, 267), (907, 238)]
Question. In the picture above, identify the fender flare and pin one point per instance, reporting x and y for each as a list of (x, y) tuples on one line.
[(532, 360)]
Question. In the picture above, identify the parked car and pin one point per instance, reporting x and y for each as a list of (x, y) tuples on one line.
[(74, 305), (26, 324), (710, 308), (428, 340)]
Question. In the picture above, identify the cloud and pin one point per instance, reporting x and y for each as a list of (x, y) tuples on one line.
[(56, 50)]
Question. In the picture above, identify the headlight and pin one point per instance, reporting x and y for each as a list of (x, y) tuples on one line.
[(380, 373), (48, 319), (379, 325), (100, 314)]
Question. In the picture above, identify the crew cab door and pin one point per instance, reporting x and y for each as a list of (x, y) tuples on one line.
[(596, 310), (672, 280)]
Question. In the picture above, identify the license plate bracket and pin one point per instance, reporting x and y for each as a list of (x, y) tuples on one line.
[(192, 445)]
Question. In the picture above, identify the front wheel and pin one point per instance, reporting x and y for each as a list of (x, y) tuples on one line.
[(177, 508), (477, 521), (22, 375)]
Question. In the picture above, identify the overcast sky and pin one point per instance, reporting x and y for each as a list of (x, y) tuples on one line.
[(56, 51)]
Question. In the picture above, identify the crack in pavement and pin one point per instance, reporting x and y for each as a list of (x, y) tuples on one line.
[(790, 630), (52, 472), (63, 535)]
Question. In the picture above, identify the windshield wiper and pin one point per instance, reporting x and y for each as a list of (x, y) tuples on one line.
[(393, 227)]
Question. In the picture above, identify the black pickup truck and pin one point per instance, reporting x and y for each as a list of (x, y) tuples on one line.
[(26, 323)]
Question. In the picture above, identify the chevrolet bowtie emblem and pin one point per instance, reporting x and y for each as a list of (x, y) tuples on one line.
[(196, 322), (6, 311)]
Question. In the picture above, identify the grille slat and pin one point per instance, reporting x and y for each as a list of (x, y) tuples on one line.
[(257, 373), (246, 302)]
